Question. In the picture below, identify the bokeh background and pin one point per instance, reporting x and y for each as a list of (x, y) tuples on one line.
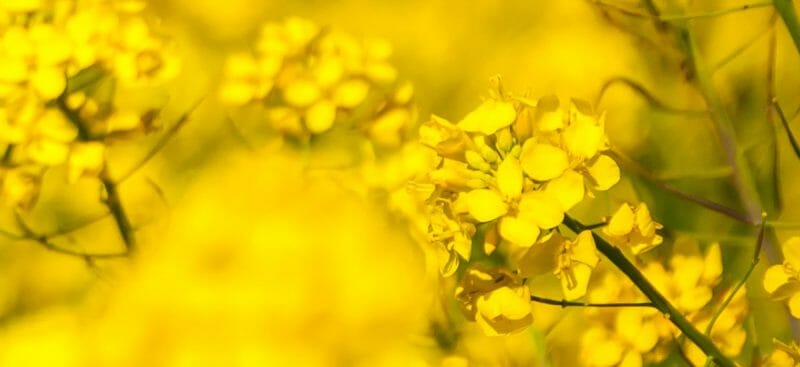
[(247, 261)]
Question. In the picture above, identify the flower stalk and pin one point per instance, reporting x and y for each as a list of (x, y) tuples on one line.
[(615, 255)]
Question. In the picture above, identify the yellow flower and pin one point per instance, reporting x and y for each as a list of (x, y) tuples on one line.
[(728, 333), (585, 135), (496, 299), (784, 355), (451, 236), (49, 144), (85, 159), (444, 137), (572, 261), (543, 162), (489, 117), (601, 347), (782, 282), (690, 280), (312, 80), (576, 262), (633, 228), (535, 210), (20, 187)]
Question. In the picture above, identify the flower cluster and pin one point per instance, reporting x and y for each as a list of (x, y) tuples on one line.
[(60, 65), (311, 80), (517, 166)]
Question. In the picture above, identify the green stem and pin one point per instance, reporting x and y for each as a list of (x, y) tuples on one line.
[(715, 13), (564, 303), (630, 165), (785, 123), (742, 176), (786, 10), (740, 284), (113, 201), (615, 255), (114, 204)]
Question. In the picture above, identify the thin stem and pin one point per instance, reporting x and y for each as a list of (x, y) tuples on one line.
[(64, 231), (651, 99), (714, 13), (173, 130), (87, 255), (43, 240), (739, 50), (703, 173), (783, 225), (620, 8), (680, 17), (113, 201), (705, 203), (564, 303), (772, 51), (114, 204), (756, 259), (785, 123), (595, 225), (619, 260), (742, 175), (786, 10)]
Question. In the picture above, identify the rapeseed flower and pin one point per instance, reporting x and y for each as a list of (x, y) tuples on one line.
[(782, 281)]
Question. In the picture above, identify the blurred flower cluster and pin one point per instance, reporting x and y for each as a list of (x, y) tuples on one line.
[(61, 64), (311, 79)]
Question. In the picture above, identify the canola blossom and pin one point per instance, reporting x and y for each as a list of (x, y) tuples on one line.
[(339, 192), (517, 167)]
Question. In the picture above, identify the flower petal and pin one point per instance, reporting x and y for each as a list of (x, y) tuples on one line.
[(541, 208), (568, 189), (777, 283), (791, 251), (621, 222), (584, 136), (489, 117), (712, 269), (543, 162), (509, 177), (320, 116), (794, 305), (485, 205), (605, 172), (584, 250), (519, 231)]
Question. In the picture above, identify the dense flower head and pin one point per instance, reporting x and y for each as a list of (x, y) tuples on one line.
[(514, 167), (313, 79), (61, 63), (782, 281)]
